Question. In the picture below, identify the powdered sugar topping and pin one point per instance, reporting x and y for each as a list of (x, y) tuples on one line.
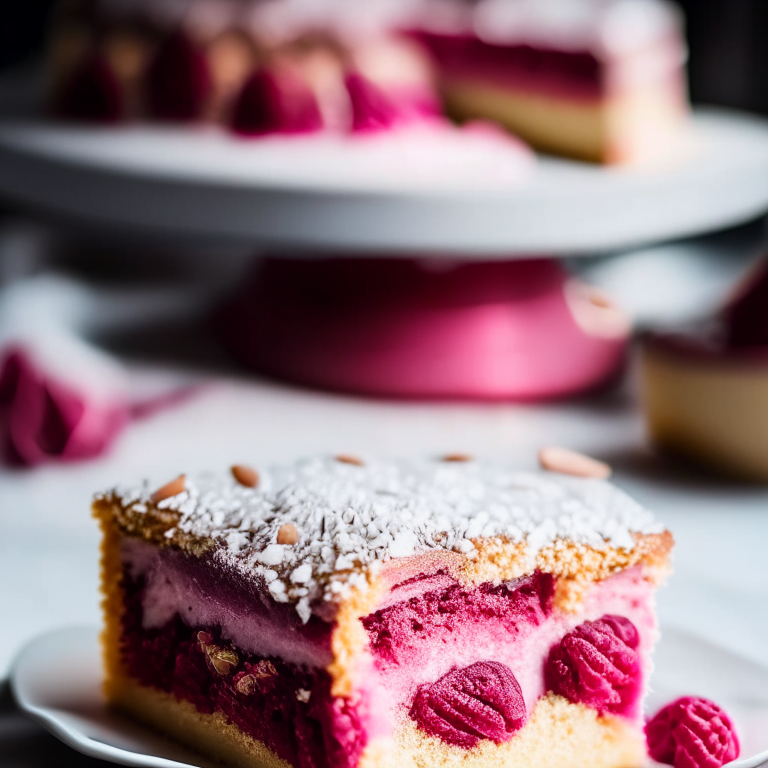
[(351, 519)]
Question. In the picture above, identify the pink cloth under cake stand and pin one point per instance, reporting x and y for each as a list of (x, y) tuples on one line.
[(502, 330)]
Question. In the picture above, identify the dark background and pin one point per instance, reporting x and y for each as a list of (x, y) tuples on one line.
[(729, 51)]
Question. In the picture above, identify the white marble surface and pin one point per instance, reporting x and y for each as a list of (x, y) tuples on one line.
[(48, 543)]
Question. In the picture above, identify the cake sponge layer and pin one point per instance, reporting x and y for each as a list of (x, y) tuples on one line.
[(558, 734), (714, 410), (631, 127)]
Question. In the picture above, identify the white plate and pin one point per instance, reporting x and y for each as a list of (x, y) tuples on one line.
[(451, 193), (56, 680)]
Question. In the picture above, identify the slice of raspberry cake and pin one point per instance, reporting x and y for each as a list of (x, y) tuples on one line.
[(598, 80), (340, 614)]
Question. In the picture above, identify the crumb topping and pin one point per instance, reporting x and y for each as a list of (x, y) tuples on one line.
[(317, 529)]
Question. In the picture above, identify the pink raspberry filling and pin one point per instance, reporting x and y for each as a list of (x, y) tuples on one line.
[(466, 664), (287, 706), (598, 665), (482, 701), (692, 733), (398, 631)]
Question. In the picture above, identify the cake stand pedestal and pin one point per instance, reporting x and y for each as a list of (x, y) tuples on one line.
[(493, 330), (463, 310)]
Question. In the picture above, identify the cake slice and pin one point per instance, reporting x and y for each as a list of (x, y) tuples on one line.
[(341, 614), (705, 384), (598, 80)]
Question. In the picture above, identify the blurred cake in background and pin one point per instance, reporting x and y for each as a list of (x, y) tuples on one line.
[(706, 385), (273, 66), (599, 80)]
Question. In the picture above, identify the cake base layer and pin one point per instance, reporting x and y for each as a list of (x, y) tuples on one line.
[(714, 411), (559, 733), (537, 119), (211, 735), (628, 128)]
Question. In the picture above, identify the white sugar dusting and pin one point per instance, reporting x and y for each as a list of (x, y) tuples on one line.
[(352, 518)]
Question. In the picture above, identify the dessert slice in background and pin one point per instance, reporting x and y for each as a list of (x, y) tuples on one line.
[(344, 613), (706, 385), (598, 80), (594, 80)]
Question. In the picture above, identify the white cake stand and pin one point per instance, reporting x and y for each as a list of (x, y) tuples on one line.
[(384, 195), (493, 325)]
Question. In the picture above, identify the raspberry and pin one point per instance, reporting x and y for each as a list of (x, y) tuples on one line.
[(597, 664), (482, 701), (178, 80), (692, 733), (371, 109), (275, 100)]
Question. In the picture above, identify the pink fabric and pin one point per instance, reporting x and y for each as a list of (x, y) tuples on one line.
[(692, 733), (42, 419)]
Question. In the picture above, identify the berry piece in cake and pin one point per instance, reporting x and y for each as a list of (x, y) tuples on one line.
[(598, 664), (692, 732), (92, 93), (178, 80), (275, 100), (482, 701), (372, 110)]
